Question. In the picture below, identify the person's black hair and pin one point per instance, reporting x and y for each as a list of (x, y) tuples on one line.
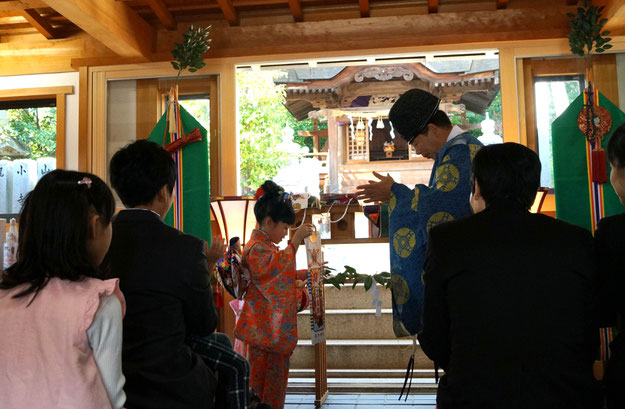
[(139, 170), (508, 174), (275, 204), (53, 230), (234, 240), (616, 147)]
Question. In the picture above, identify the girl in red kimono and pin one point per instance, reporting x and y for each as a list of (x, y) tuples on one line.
[(266, 330)]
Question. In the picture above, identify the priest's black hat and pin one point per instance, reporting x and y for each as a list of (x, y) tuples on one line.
[(412, 112)]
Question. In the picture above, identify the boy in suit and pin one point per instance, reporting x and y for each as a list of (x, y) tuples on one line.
[(508, 296), (170, 350)]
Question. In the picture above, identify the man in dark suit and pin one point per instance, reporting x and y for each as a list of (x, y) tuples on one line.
[(508, 296), (611, 263), (170, 351)]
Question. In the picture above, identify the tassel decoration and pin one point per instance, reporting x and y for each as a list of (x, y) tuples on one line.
[(599, 169), (219, 300), (194, 136), (409, 373), (409, 370)]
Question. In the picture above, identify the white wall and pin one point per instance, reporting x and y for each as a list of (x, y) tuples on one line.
[(71, 105)]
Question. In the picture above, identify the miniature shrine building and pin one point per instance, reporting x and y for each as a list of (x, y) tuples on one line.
[(355, 100)]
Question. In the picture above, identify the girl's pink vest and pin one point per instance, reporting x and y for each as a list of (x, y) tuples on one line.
[(45, 357)]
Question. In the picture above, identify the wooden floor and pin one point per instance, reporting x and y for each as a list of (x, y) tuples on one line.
[(363, 401)]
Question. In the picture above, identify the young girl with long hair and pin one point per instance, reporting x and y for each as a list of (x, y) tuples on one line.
[(266, 330), (60, 343)]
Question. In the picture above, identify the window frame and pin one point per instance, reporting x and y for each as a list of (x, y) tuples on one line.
[(57, 93)]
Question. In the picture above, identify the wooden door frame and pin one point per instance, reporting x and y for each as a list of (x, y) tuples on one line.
[(151, 97), (603, 74), (92, 114)]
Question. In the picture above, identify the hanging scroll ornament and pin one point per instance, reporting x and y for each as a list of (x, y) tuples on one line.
[(595, 122)]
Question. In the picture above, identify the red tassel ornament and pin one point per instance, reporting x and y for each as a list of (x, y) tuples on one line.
[(599, 169), (194, 136), (219, 300)]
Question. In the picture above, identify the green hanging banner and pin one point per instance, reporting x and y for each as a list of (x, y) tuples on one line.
[(579, 200), (190, 211)]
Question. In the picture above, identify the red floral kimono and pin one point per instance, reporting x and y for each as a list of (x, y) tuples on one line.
[(266, 330)]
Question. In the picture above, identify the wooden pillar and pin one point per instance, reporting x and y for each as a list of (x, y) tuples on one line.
[(316, 138), (229, 166), (321, 374), (333, 147), (509, 102)]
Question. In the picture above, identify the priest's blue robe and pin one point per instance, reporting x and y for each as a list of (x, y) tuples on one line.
[(413, 212)]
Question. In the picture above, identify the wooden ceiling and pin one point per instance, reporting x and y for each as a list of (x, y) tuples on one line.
[(91, 32), (53, 19)]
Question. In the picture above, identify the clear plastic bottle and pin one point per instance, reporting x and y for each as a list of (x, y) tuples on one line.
[(10, 245)]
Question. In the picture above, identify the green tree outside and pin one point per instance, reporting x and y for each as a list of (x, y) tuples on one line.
[(494, 113), (262, 118), (35, 128)]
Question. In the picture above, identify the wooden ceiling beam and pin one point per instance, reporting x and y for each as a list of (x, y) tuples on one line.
[(7, 5), (432, 6), (615, 13), (229, 12), (364, 8), (112, 23), (571, 2), (296, 10), (502, 4), (40, 23), (163, 14)]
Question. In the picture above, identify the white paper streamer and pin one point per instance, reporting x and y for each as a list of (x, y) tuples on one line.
[(376, 302)]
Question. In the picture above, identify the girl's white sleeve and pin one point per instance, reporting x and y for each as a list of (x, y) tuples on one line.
[(105, 338)]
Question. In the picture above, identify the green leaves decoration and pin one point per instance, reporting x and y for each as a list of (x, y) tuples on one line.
[(350, 274), (188, 54), (586, 35)]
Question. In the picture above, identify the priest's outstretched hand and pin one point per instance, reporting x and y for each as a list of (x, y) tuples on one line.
[(376, 191)]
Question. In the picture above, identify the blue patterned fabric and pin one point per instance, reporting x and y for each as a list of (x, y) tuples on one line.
[(413, 212)]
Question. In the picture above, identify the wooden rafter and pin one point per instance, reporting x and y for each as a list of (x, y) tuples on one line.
[(112, 23), (364, 8), (164, 16), (432, 6), (502, 4), (615, 13), (21, 5), (571, 2), (296, 10), (40, 23), (229, 12)]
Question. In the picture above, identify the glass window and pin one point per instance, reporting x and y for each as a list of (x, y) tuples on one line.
[(552, 95), (27, 148)]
